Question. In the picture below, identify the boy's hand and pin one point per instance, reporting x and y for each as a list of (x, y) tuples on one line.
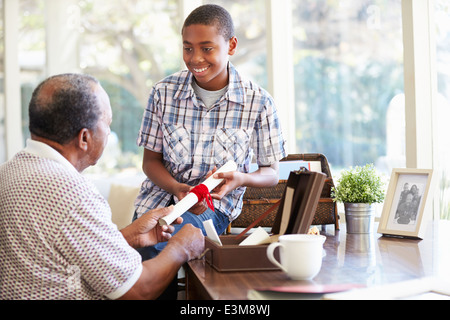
[(231, 181), (199, 207)]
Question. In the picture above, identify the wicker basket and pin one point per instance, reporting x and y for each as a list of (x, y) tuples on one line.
[(257, 201)]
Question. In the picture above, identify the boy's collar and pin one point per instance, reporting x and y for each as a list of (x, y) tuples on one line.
[(235, 89)]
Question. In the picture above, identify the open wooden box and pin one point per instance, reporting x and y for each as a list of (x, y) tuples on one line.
[(295, 214), (233, 257)]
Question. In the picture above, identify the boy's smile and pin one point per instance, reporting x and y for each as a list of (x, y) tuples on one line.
[(201, 70), (205, 53)]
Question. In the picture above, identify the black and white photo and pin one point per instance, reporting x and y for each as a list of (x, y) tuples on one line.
[(404, 205)]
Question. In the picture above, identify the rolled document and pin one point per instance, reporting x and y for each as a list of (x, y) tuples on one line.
[(191, 199)]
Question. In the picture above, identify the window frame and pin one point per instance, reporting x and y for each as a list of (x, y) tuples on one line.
[(419, 66), (13, 113)]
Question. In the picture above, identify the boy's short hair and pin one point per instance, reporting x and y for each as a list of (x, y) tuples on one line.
[(211, 14)]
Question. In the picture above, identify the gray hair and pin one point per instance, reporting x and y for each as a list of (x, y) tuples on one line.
[(63, 105)]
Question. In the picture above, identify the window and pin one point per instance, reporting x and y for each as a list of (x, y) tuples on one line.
[(32, 57), (250, 27), (442, 153), (347, 61), (2, 93), (348, 69), (128, 46)]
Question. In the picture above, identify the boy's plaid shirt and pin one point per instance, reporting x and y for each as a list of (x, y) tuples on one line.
[(194, 139)]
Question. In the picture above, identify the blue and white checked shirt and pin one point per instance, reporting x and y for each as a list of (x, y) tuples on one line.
[(193, 139)]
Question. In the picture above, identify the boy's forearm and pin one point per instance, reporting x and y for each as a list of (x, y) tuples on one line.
[(155, 170), (263, 177)]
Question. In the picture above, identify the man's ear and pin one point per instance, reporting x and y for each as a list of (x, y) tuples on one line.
[(84, 139), (232, 46)]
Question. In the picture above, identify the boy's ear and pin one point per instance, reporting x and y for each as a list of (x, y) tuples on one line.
[(232, 46)]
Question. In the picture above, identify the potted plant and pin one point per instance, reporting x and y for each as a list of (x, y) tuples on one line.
[(359, 188)]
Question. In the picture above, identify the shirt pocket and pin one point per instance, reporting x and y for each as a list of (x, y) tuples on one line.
[(177, 144), (231, 144)]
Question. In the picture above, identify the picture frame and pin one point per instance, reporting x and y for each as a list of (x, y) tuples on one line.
[(405, 205)]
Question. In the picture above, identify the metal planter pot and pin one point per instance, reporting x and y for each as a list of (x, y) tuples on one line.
[(359, 217)]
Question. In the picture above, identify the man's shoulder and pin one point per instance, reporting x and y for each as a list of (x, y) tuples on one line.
[(45, 169), (48, 178)]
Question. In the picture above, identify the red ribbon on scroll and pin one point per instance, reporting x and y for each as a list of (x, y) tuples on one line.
[(202, 193)]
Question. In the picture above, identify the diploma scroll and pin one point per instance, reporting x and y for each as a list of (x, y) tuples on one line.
[(191, 199)]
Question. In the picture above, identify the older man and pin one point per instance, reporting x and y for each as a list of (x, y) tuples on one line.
[(57, 240)]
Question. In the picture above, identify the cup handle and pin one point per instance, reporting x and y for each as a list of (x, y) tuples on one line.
[(270, 250)]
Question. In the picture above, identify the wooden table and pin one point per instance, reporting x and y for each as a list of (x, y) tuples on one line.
[(358, 259)]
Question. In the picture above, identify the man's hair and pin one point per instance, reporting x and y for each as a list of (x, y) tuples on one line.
[(212, 15), (63, 105)]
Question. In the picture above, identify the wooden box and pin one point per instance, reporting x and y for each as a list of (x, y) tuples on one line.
[(232, 257), (294, 215)]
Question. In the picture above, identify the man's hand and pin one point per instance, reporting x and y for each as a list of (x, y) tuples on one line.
[(190, 240), (187, 244), (146, 230)]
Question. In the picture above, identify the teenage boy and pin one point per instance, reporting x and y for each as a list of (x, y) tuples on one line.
[(198, 119)]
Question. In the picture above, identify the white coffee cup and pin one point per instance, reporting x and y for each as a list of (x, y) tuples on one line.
[(300, 255)]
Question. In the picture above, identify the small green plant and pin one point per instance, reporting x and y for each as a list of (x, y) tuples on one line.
[(359, 185)]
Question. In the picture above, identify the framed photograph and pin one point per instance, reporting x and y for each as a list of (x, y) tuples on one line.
[(405, 203)]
